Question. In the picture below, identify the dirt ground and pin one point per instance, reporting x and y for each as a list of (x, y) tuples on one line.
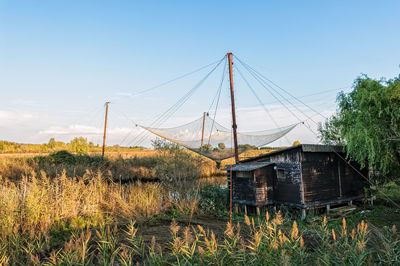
[(379, 216), (160, 227)]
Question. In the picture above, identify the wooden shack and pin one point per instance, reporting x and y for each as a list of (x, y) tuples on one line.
[(304, 176)]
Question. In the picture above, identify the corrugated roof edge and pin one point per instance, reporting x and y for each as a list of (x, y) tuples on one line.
[(304, 147)]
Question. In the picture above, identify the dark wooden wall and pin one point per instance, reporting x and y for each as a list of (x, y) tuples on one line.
[(312, 179), (352, 183), (268, 189), (288, 190), (264, 178), (243, 190), (326, 178), (290, 156), (320, 176)]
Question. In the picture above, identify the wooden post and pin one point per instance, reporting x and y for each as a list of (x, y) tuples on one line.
[(234, 126), (198, 181), (105, 130), (340, 179), (230, 195), (202, 133), (303, 214)]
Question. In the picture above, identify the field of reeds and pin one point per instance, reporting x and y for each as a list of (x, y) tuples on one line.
[(135, 165), (66, 209), (116, 168)]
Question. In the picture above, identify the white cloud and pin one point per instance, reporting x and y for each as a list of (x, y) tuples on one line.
[(115, 135), (71, 130), (12, 118), (25, 102)]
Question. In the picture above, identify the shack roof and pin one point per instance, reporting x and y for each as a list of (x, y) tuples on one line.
[(247, 166), (303, 147)]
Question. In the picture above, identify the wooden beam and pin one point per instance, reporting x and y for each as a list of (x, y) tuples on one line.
[(234, 125), (105, 130)]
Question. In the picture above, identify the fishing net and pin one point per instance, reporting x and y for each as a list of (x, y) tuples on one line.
[(217, 141)]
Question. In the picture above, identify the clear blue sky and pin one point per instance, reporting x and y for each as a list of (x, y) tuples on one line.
[(61, 60)]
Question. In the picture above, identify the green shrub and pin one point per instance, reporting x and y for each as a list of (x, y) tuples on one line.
[(62, 157), (213, 200)]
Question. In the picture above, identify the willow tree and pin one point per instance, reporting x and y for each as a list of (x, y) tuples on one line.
[(367, 121)]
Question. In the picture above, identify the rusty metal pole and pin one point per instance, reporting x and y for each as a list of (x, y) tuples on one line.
[(202, 133), (105, 130), (234, 126)]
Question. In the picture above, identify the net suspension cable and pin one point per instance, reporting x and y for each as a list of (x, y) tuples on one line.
[(266, 80), (187, 135), (142, 91), (164, 117), (218, 98), (143, 134), (267, 86), (218, 92), (170, 111), (160, 118), (258, 99), (164, 83), (161, 85)]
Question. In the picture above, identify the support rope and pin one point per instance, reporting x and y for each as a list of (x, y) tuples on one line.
[(270, 81), (170, 111), (170, 81)]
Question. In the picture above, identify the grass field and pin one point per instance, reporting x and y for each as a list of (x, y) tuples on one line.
[(134, 164), (63, 210)]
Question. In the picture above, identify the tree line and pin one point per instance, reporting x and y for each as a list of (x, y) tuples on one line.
[(79, 145)]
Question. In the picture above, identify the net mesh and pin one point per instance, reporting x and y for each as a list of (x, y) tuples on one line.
[(217, 141)]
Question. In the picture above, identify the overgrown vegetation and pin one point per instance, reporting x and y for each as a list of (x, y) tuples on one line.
[(368, 122), (89, 219), (105, 238), (162, 166)]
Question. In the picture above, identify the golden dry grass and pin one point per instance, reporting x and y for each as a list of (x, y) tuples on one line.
[(15, 164), (35, 204)]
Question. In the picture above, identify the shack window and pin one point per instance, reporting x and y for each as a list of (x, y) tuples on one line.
[(281, 174), (243, 174)]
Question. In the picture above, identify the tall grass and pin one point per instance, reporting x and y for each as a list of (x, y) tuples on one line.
[(58, 217), (266, 241), (36, 204), (182, 164)]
